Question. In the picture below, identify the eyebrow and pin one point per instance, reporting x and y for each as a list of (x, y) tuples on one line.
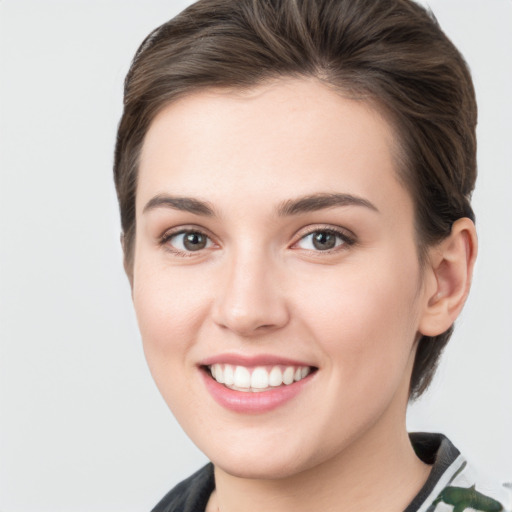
[(316, 202), (310, 203), (185, 204)]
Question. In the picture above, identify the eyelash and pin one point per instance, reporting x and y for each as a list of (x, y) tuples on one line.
[(346, 240), (169, 235)]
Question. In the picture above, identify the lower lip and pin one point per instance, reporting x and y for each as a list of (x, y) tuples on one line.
[(253, 402)]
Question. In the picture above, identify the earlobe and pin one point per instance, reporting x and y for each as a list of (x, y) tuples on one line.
[(451, 271)]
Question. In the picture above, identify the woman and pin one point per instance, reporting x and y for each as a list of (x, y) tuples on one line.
[(294, 181)]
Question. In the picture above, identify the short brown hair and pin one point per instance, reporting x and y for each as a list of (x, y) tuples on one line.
[(391, 52)]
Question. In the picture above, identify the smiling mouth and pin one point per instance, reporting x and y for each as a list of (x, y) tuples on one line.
[(259, 378)]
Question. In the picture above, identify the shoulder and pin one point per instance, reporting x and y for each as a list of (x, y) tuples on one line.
[(191, 495), (454, 484)]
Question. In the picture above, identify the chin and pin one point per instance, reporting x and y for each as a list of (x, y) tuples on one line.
[(260, 469), (262, 462)]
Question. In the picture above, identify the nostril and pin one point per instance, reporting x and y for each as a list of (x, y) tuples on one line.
[(257, 320), (265, 327)]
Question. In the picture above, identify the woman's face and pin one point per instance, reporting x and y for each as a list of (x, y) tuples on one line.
[(275, 243)]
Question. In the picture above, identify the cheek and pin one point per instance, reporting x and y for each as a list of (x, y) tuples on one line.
[(365, 317), (170, 312), (169, 308)]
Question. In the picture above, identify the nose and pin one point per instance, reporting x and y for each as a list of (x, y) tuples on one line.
[(250, 300)]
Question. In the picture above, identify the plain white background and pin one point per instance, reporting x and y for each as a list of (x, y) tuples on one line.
[(82, 426)]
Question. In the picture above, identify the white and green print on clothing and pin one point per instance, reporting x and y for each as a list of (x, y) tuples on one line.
[(454, 485)]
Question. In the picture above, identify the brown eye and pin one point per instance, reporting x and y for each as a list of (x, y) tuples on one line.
[(323, 240), (194, 241), (189, 241)]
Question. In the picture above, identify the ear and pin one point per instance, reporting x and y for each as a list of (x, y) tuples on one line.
[(128, 268), (448, 279)]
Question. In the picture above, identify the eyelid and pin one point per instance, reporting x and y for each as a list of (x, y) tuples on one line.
[(348, 237), (164, 238)]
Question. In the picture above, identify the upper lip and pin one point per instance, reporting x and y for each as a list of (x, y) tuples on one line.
[(256, 360)]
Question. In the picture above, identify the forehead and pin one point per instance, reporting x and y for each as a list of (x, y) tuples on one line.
[(293, 136)]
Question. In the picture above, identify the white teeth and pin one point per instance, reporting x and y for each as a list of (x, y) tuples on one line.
[(260, 378), (229, 375), (218, 373), (276, 377), (288, 375), (242, 377)]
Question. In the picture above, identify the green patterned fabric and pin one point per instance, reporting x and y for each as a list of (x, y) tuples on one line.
[(454, 485)]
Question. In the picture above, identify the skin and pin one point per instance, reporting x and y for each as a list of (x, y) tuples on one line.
[(260, 287)]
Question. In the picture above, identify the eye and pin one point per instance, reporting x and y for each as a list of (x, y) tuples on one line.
[(323, 240), (187, 241)]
